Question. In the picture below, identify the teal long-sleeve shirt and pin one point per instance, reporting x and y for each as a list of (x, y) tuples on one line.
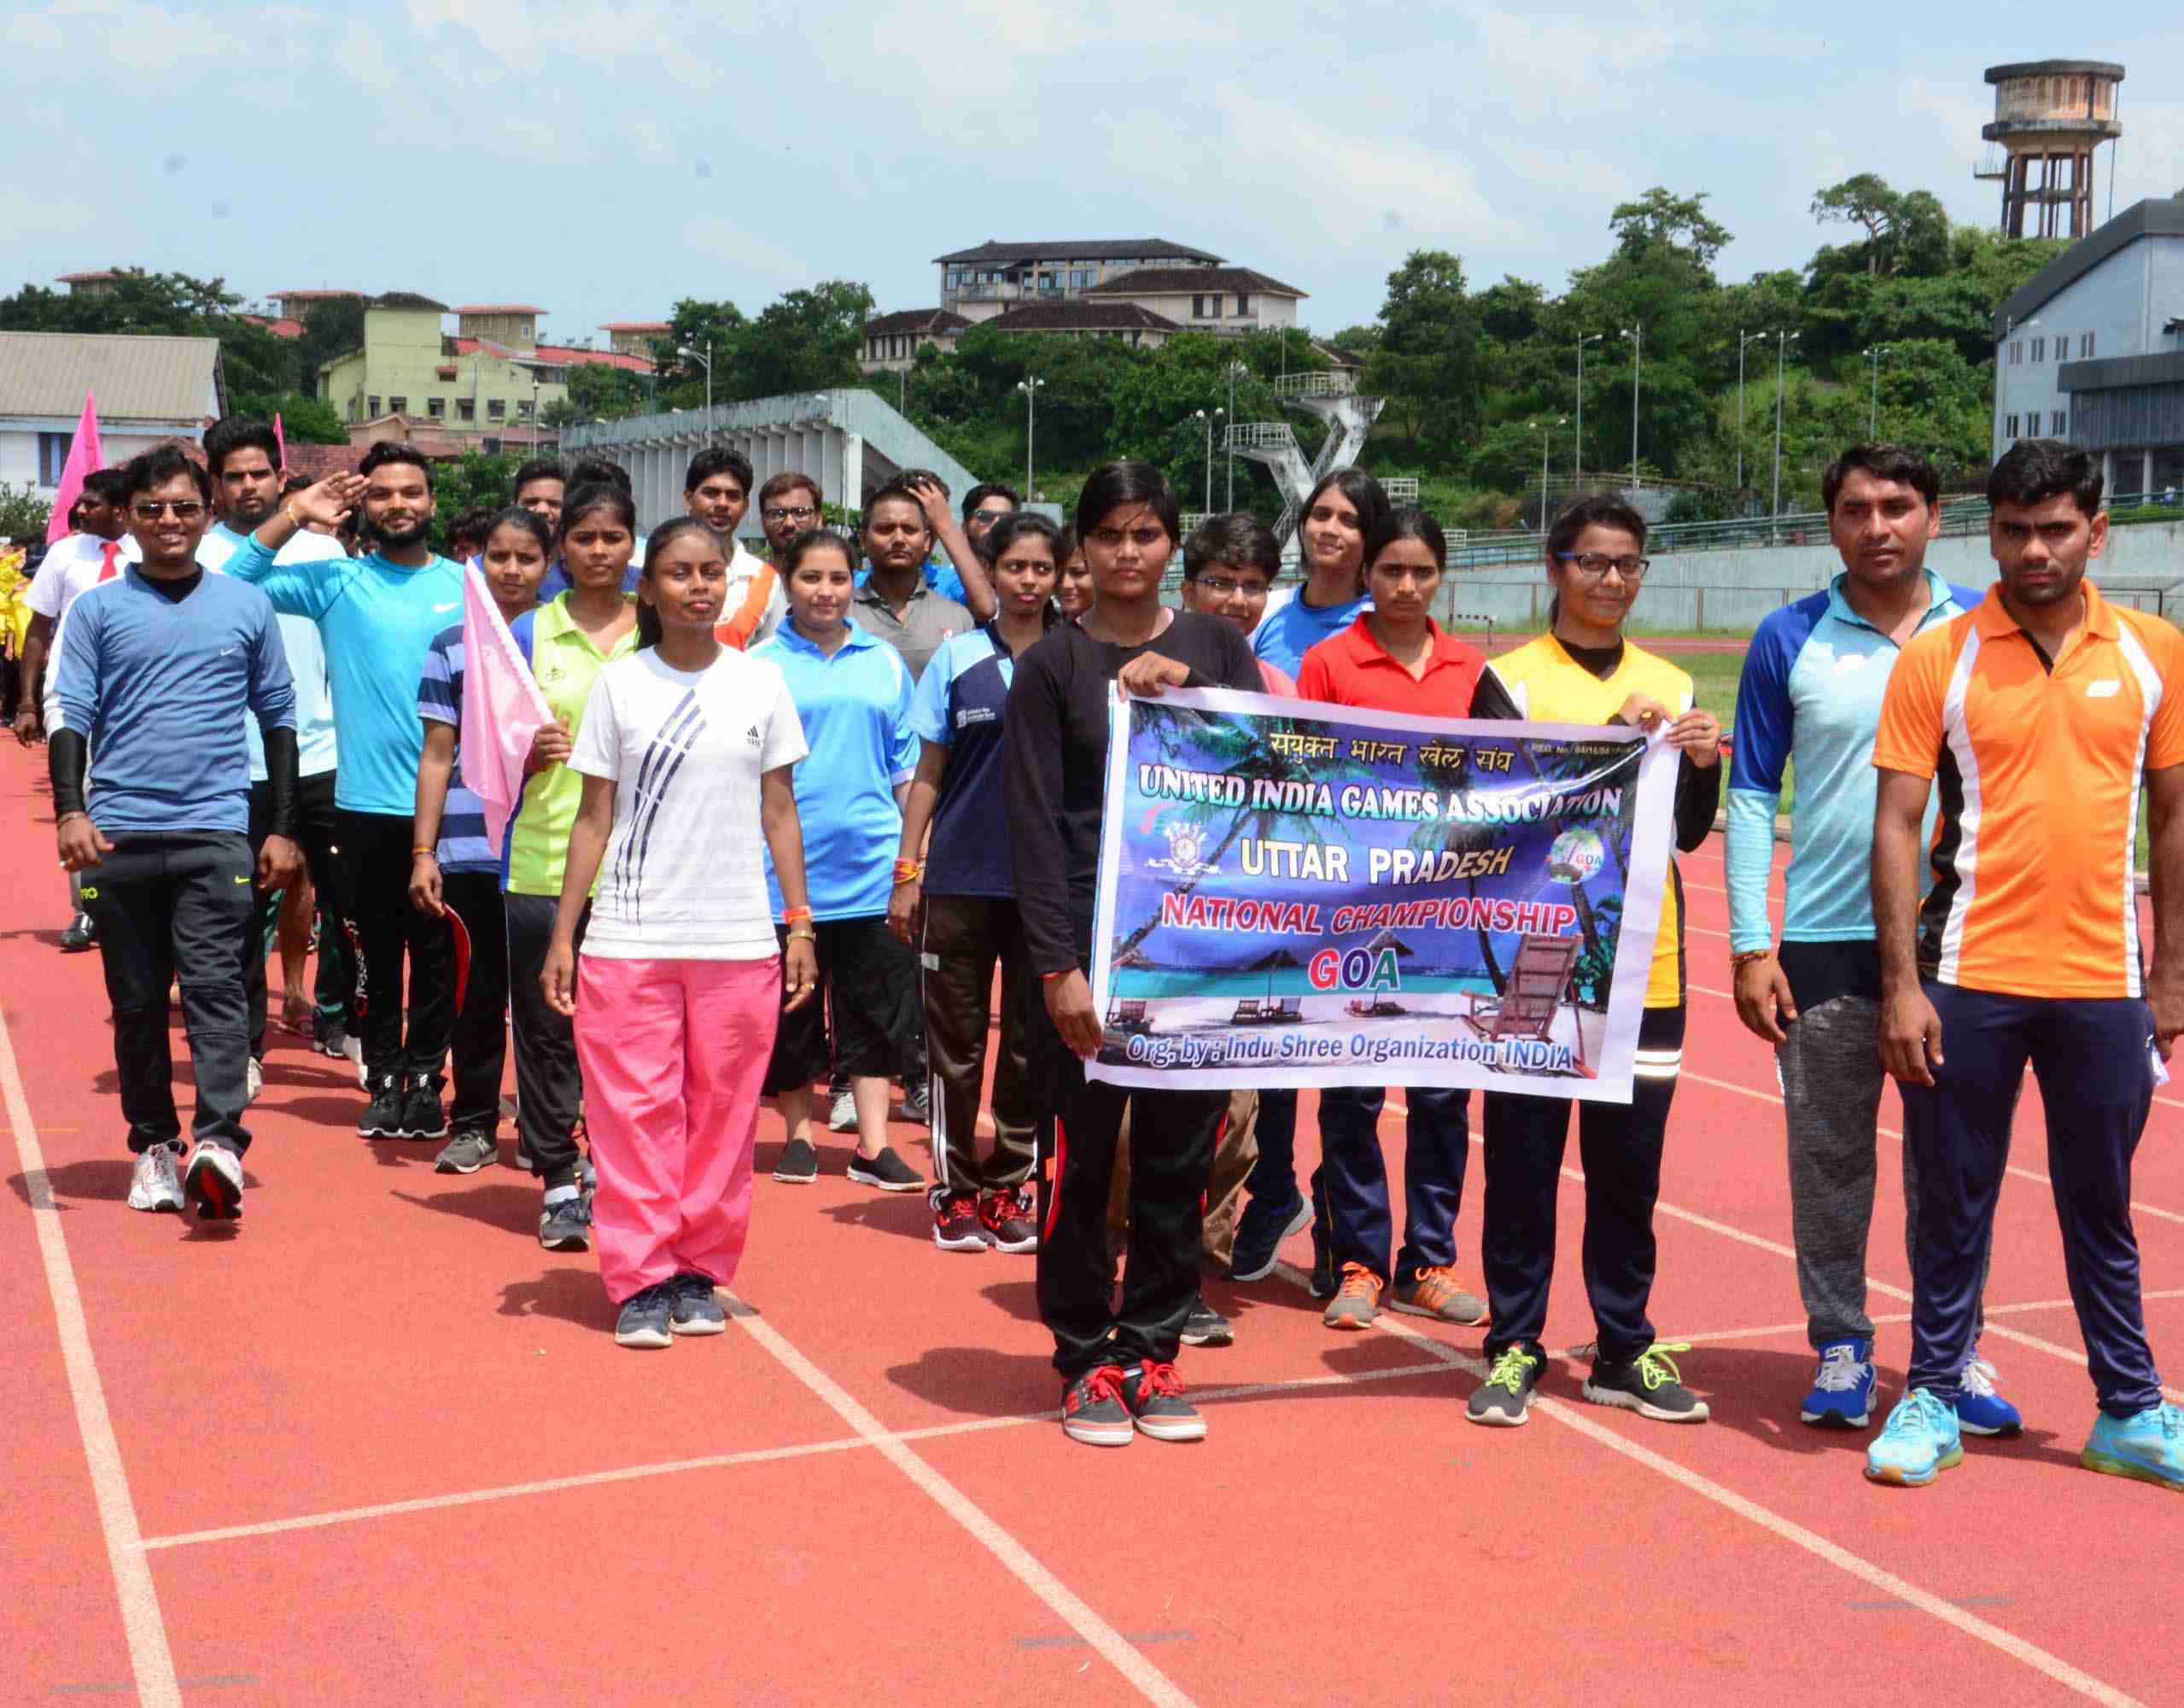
[(377, 619)]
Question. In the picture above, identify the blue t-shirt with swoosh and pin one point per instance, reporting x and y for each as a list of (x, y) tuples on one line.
[(377, 619)]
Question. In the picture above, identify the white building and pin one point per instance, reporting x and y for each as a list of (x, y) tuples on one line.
[(2091, 350), (148, 389)]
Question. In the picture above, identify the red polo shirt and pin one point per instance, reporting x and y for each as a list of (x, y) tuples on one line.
[(1352, 669)]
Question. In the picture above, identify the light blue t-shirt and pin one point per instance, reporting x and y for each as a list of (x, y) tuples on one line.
[(1287, 632), (158, 687), (1810, 696), (316, 750), (375, 620), (856, 710)]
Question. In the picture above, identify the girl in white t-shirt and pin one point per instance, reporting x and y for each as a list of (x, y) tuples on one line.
[(685, 751)]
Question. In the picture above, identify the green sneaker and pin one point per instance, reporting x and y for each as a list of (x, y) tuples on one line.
[(1503, 1400)]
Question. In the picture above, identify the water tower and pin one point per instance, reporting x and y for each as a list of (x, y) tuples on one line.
[(2050, 115)]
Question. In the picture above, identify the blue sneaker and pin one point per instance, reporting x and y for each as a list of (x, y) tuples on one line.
[(1920, 1442), (1844, 1387), (2147, 1445), (1981, 1409), (1260, 1231)]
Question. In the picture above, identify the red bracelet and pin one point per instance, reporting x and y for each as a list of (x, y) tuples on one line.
[(1063, 974)]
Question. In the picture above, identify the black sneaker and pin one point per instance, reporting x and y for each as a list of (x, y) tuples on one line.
[(1155, 1395), (466, 1153), (1092, 1408), (1206, 1326), (886, 1171), (1648, 1385), (646, 1320), (80, 933), (1260, 1231), (799, 1163), (1325, 1278), (382, 1115), (692, 1307), (565, 1224), (1503, 1400), (423, 1115), (917, 1106)]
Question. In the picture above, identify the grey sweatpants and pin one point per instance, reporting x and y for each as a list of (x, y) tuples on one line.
[(1831, 1082)]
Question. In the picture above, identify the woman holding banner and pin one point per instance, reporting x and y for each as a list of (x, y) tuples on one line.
[(1117, 1363), (1393, 657), (1583, 671)]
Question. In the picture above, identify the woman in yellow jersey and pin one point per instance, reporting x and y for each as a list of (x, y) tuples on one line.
[(567, 641), (1583, 671)]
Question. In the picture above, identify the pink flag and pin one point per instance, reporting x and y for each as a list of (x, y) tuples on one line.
[(281, 440), (83, 456), (503, 710)]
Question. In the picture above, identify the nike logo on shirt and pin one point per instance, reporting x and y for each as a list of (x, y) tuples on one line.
[(442, 610)]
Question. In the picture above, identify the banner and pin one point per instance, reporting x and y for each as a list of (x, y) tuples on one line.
[(1300, 894)]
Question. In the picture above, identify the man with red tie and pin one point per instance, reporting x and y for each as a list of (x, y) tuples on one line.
[(95, 553)]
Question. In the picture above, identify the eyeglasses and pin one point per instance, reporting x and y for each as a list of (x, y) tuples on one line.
[(182, 509), (782, 512), (989, 517), (1221, 587), (1598, 564)]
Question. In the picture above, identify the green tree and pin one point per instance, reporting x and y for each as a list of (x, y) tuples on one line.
[(1658, 219), (712, 328), (330, 329), (304, 420), (599, 392), (806, 340), (1428, 365), (472, 481), (171, 304)]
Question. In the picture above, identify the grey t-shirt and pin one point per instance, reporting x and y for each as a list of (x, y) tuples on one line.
[(928, 620)]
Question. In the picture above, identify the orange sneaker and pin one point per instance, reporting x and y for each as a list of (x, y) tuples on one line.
[(1434, 1293), (1357, 1299)]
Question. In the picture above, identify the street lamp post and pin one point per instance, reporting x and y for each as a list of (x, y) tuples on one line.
[(1873, 409), (1635, 332), (1743, 339), (1209, 420), (1234, 369), (1782, 340), (1577, 458), (1029, 388), (706, 357), (1546, 438)]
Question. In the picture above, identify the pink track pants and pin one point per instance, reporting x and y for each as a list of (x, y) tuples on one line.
[(674, 1054)]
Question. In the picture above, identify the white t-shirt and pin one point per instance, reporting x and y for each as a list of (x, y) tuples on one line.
[(684, 878), (316, 751), (742, 566), (74, 565)]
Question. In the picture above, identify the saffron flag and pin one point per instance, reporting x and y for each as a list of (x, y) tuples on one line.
[(1298, 894), (503, 710), (83, 456)]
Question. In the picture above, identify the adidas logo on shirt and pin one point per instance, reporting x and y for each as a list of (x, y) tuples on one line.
[(752, 736)]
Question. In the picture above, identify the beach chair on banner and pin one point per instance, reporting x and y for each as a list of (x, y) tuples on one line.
[(1128, 1015), (1533, 995)]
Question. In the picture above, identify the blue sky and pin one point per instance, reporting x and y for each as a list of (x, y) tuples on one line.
[(605, 160)]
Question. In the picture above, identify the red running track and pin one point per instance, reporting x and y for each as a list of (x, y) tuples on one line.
[(375, 1447)]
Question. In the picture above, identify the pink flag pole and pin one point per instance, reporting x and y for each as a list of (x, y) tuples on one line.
[(83, 456), (503, 710), (281, 440)]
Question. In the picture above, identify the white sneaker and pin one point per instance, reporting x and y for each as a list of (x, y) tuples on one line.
[(215, 1182), (154, 1184), (842, 1117), (253, 1081)]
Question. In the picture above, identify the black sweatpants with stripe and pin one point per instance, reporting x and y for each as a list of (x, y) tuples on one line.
[(1171, 1142), (1621, 1145)]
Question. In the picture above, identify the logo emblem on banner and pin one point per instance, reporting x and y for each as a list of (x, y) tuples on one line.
[(1186, 851), (1576, 854)]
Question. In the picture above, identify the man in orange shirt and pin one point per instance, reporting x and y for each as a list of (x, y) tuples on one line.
[(2039, 714)]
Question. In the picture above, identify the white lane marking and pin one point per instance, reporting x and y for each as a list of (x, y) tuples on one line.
[(150, 1661), (1116, 1649), (1982, 1630), (1893, 1319), (554, 1485)]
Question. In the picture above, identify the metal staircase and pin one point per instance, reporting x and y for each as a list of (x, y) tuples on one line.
[(1332, 397)]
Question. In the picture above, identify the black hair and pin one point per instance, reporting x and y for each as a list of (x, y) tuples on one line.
[(648, 615), (811, 540), (515, 516), (898, 490), (2033, 471), (908, 477), (1410, 523), (539, 469), (1365, 497), (597, 472), (386, 451), (791, 480), (1016, 526), (233, 433), (718, 460), (1238, 539), (1067, 546), (107, 486), (1883, 462), (1599, 509), (478, 523), (1128, 480), (582, 500), (985, 489), (156, 467), (293, 482)]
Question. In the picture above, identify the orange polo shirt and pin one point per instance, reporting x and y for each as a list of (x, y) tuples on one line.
[(1350, 667), (2038, 772)]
